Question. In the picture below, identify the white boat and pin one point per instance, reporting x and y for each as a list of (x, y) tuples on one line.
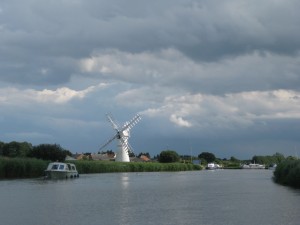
[(213, 166), (59, 170), (273, 166), (253, 166)]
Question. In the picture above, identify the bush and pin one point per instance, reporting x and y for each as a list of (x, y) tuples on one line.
[(168, 156), (207, 156)]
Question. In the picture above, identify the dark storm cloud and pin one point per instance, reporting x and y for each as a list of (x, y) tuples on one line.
[(36, 32), (219, 74)]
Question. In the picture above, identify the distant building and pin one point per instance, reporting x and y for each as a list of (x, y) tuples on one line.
[(142, 158), (145, 158), (69, 158), (103, 156), (81, 156), (78, 156)]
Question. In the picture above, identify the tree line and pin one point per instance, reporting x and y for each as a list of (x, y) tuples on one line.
[(232, 162), (53, 152)]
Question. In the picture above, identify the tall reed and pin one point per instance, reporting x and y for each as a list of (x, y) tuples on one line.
[(30, 167), (288, 173), (108, 167), (21, 167)]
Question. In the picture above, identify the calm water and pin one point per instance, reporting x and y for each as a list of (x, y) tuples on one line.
[(203, 197)]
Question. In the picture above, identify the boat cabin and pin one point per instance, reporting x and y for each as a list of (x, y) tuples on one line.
[(61, 166), (61, 170)]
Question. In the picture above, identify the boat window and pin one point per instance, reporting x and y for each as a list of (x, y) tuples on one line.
[(54, 167), (61, 167), (73, 167)]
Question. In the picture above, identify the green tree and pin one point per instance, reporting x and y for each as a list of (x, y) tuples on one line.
[(207, 156), (24, 148), (1, 147), (131, 154), (168, 156), (233, 159), (268, 159), (16, 149), (278, 158), (53, 152)]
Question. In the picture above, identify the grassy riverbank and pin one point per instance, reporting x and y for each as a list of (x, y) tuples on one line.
[(30, 168), (288, 173)]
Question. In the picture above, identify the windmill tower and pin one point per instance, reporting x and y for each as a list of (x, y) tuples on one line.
[(122, 135)]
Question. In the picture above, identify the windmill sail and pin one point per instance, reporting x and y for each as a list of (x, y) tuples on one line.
[(122, 135)]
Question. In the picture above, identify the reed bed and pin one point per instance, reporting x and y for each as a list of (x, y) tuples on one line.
[(288, 173), (110, 167), (33, 168), (21, 167)]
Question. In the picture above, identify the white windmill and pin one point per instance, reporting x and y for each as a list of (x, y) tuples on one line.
[(122, 135)]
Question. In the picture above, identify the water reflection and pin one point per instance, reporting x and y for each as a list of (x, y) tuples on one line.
[(122, 197), (124, 180), (201, 197)]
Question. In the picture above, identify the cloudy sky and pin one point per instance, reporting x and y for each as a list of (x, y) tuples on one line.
[(206, 75)]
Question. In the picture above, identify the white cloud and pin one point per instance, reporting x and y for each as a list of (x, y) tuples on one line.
[(178, 120), (230, 111), (169, 68), (58, 96)]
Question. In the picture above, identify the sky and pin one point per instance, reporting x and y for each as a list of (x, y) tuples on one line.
[(205, 75)]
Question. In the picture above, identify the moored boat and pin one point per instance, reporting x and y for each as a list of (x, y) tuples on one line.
[(59, 170), (272, 167), (213, 166), (253, 166)]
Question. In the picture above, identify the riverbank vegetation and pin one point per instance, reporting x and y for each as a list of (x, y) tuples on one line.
[(31, 168), (168, 156), (21, 167), (23, 160), (84, 166), (52, 152), (288, 173)]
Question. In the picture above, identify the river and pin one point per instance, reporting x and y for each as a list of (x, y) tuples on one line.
[(237, 197)]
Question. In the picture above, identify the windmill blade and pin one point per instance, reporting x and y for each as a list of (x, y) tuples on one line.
[(109, 141), (133, 122), (126, 145), (130, 148), (112, 122)]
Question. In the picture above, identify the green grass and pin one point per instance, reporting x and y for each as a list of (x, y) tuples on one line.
[(288, 173)]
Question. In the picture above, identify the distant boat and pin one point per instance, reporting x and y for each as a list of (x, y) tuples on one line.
[(59, 170), (253, 166), (272, 167), (213, 166)]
